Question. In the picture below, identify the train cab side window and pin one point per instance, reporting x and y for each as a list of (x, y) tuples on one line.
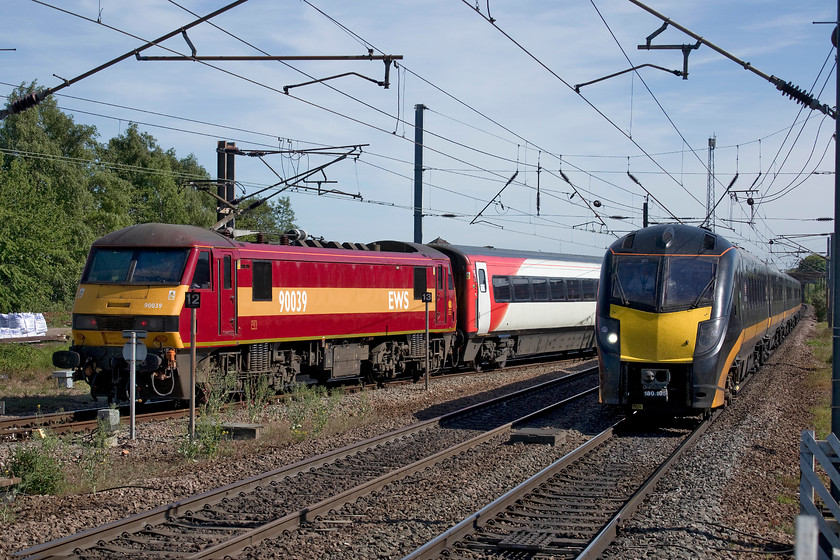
[(557, 287), (501, 288), (201, 276), (262, 281), (451, 282), (226, 276), (440, 277)]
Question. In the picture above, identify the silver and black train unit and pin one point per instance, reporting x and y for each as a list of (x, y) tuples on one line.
[(684, 316)]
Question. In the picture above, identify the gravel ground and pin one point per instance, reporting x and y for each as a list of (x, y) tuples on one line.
[(722, 498)]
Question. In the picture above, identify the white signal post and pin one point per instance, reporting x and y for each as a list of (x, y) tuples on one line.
[(427, 297), (133, 354), (192, 301)]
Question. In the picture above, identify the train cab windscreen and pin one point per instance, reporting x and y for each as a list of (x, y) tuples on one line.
[(662, 283), (136, 266)]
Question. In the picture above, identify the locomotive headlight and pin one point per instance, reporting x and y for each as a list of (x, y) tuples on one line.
[(709, 334), (608, 332)]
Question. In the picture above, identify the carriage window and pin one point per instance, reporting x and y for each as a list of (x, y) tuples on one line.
[(540, 288), (589, 289), (557, 287), (261, 290), (521, 288), (201, 276), (501, 288), (573, 287), (440, 277)]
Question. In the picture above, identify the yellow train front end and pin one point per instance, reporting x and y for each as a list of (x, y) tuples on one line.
[(133, 281)]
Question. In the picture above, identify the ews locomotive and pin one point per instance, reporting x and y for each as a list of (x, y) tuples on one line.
[(315, 312), (684, 316)]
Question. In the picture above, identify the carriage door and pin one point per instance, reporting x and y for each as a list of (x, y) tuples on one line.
[(227, 292), (482, 304)]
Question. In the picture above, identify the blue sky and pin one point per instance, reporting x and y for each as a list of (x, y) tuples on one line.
[(493, 110)]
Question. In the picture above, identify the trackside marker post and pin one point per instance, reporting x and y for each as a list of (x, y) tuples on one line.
[(134, 351)]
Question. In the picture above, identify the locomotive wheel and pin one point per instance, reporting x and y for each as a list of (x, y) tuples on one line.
[(475, 365)]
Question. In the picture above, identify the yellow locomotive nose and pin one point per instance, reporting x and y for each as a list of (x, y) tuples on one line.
[(658, 337)]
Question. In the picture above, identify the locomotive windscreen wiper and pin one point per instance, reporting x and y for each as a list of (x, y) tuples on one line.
[(705, 289), (617, 283)]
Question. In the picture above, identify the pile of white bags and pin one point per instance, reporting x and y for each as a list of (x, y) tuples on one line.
[(17, 325)]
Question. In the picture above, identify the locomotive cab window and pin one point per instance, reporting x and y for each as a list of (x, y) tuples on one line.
[(136, 266), (633, 281), (690, 282), (201, 276)]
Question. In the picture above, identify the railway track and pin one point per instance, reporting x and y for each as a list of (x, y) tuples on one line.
[(571, 509), (227, 520), (22, 427)]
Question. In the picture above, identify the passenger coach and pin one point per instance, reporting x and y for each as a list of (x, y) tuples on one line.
[(518, 303), (684, 316)]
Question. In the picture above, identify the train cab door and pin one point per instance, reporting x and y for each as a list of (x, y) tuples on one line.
[(440, 296), (225, 264), (482, 304)]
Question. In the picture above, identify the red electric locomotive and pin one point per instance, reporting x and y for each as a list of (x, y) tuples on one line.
[(310, 312)]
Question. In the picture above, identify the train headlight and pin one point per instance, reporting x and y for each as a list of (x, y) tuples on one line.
[(608, 333), (709, 334)]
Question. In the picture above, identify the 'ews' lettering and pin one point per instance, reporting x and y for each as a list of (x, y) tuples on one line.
[(398, 300)]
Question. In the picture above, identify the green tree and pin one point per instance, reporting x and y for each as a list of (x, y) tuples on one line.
[(44, 178), (157, 179), (275, 216)]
